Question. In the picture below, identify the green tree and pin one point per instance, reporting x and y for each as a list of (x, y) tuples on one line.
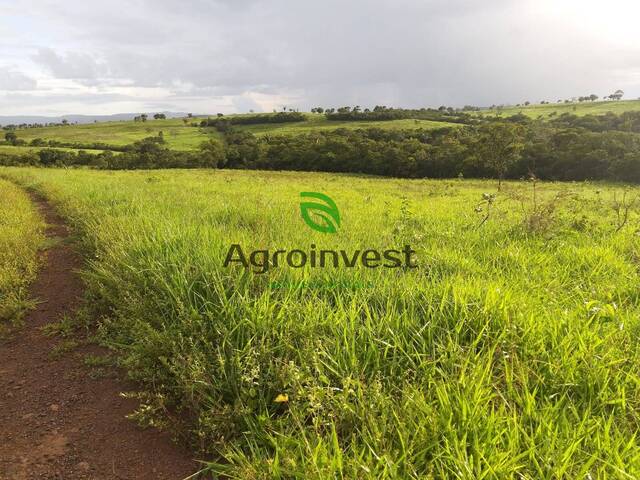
[(617, 95), (499, 146), (212, 154), (11, 137)]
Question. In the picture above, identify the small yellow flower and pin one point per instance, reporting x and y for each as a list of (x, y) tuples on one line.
[(282, 398)]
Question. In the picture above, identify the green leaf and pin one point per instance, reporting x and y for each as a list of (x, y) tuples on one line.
[(326, 217)]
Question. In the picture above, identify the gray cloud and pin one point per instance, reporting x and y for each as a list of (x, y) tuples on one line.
[(397, 52), (12, 80), (74, 65)]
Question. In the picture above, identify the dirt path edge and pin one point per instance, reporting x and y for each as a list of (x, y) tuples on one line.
[(56, 420)]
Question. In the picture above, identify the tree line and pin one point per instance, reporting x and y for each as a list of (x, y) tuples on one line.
[(384, 113), (223, 124), (148, 153), (496, 149), (626, 122), (344, 114)]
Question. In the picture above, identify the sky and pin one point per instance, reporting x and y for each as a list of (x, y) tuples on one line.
[(209, 56)]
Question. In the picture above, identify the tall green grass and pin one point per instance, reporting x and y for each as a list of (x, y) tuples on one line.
[(510, 352), (20, 237)]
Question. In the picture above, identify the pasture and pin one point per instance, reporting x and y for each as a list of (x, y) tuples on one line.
[(510, 351), (177, 134), (181, 136), (556, 109), (21, 150), (320, 122)]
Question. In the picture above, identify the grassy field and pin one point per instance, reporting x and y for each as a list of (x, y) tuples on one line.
[(11, 150), (20, 237), (581, 109), (320, 122), (509, 352), (177, 135)]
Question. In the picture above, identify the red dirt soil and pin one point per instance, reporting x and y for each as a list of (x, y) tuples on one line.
[(56, 422)]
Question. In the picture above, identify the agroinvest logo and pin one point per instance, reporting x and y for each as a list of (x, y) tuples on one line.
[(327, 212), (320, 213)]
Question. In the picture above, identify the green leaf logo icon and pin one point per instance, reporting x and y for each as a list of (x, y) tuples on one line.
[(326, 217)]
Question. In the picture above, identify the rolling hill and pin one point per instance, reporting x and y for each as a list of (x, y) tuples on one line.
[(185, 134), (553, 109)]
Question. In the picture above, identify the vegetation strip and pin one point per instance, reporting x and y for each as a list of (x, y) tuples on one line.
[(20, 238)]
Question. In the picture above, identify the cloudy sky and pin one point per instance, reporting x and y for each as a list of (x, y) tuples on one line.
[(207, 56)]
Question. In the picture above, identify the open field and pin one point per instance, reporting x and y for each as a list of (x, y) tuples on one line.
[(177, 135), (581, 109), (509, 352), (20, 237), (320, 122), (11, 150)]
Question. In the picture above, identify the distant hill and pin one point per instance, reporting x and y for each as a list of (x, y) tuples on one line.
[(181, 135), (550, 110), (73, 118)]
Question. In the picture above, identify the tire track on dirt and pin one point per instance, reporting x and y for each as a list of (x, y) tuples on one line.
[(56, 422)]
